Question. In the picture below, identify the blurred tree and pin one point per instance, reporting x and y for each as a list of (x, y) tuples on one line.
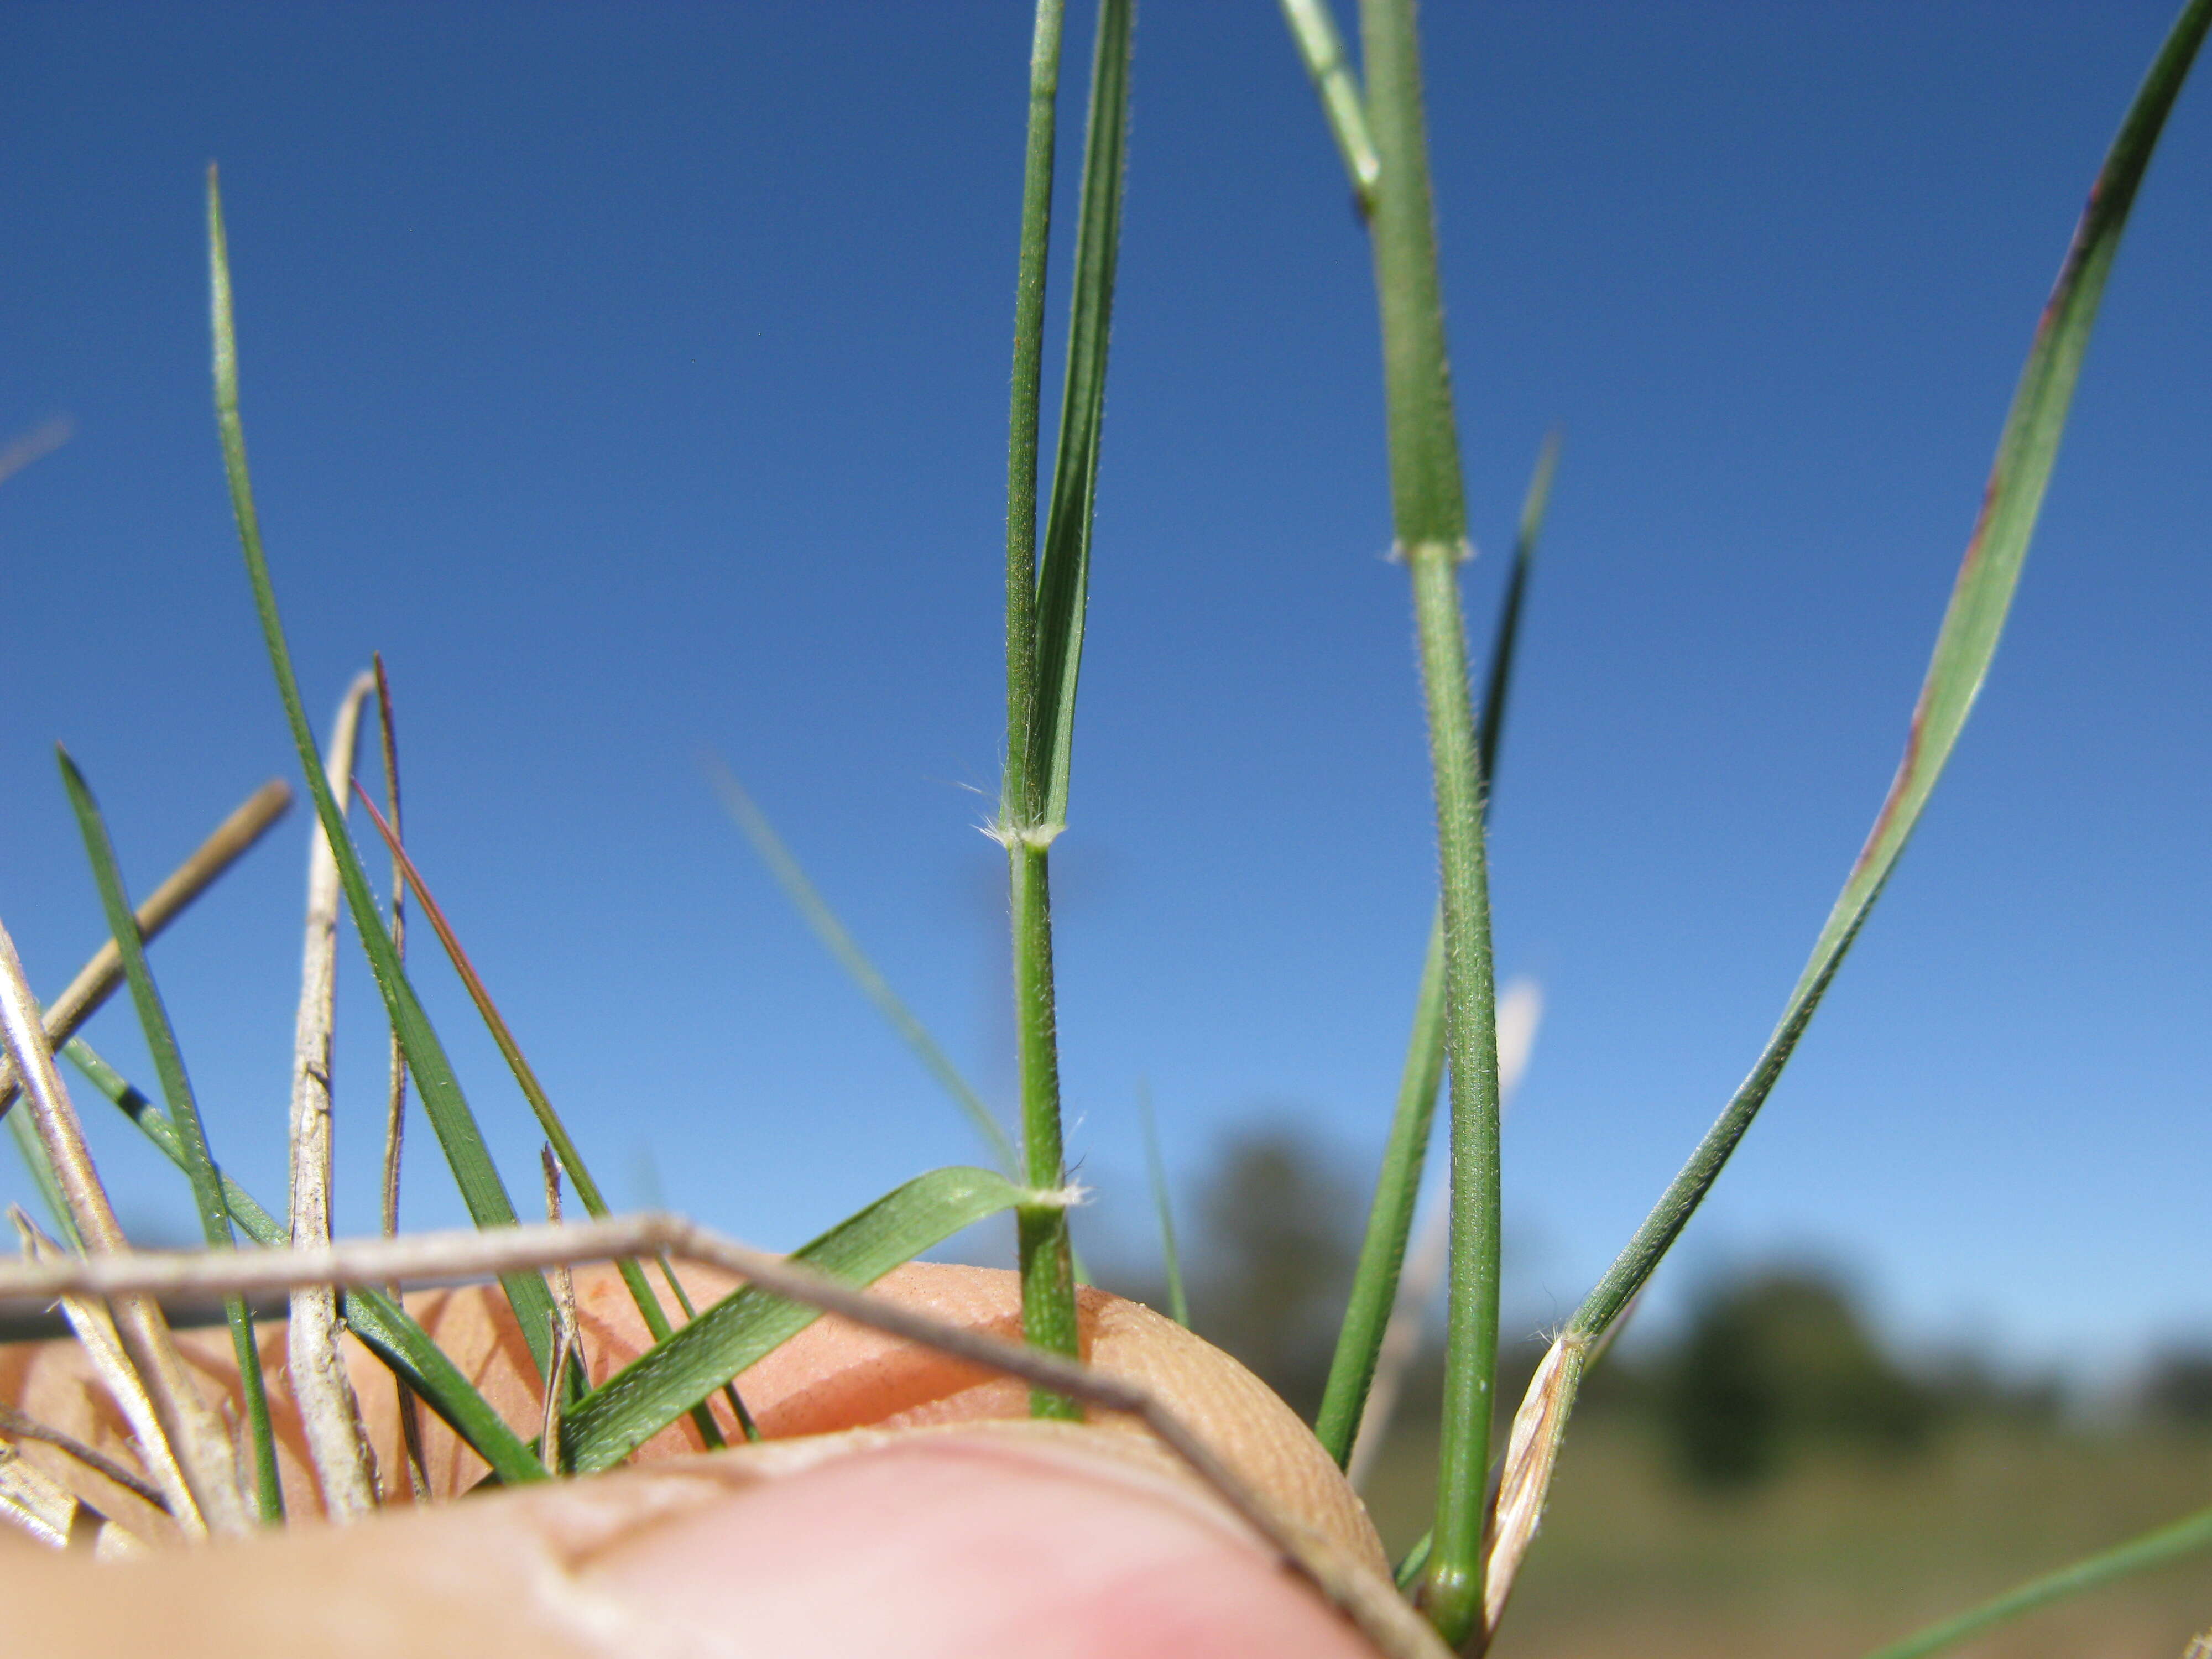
[(1278, 1236), (2178, 1388), (1779, 1361)]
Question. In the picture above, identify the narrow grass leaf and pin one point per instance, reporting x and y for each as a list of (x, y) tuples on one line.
[(1313, 28), (2155, 1548), (482, 1190), (1965, 645), (383, 1326), (838, 940), (562, 1144), (1063, 576), (637, 1402), (1156, 1172), (1964, 648), (185, 1113)]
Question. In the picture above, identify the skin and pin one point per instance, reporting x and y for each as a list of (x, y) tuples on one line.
[(901, 1504)]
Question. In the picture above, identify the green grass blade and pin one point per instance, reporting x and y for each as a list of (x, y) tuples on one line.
[(1313, 27), (637, 1402), (541, 1105), (1964, 648), (481, 1189), (2154, 1549), (1405, 1154), (184, 1110), (384, 1327), (1505, 647), (1389, 1215), (1063, 576), (840, 943), (1156, 1172), (1017, 810)]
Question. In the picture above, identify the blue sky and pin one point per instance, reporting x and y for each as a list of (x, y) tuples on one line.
[(634, 378)]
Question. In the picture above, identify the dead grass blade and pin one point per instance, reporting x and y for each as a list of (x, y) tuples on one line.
[(195, 1433), (14, 1424), (103, 1350), (331, 1419)]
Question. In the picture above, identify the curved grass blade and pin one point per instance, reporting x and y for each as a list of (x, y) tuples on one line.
[(184, 1112), (382, 1324), (807, 900), (482, 1190), (2155, 1548), (637, 1402), (1314, 29), (1965, 645), (1405, 1154), (1156, 1173), (1964, 648), (563, 1144)]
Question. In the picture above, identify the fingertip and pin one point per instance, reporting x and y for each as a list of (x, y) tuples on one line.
[(962, 1544)]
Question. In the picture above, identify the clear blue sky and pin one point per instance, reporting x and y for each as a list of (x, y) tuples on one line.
[(634, 378)]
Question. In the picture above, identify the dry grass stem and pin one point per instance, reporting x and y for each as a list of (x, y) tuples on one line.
[(94, 1331), (1387, 1621), (97, 980), (194, 1433), (395, 1099), (329, 1417)]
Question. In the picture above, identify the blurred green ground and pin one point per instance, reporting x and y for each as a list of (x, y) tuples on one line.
[(1771, 1477), (1837, 1555)]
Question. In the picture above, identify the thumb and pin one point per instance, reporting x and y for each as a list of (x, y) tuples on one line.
[(974, 1538)]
